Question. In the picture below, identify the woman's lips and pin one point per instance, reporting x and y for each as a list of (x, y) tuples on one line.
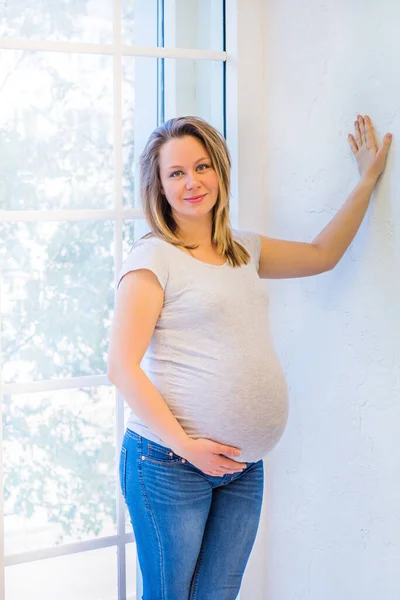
[(195, 199)]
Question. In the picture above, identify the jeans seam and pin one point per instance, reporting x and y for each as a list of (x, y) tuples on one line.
[(123, 459), (142, 485), (195, 575), (132, 434)]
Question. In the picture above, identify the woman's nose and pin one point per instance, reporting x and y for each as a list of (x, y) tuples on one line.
[(191, 180)]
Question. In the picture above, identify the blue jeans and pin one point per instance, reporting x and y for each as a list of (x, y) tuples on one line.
[(194, 532)]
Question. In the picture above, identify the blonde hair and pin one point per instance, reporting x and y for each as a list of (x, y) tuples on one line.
[(157, 210)]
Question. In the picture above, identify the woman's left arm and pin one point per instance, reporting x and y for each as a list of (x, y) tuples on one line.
[(282, 259)]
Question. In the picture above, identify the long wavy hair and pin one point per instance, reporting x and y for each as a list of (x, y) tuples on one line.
[(156, 208)]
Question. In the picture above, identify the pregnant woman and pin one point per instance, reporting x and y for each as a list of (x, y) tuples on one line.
[(191, 354)]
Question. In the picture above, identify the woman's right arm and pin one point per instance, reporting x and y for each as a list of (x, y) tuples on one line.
[(138, 305)]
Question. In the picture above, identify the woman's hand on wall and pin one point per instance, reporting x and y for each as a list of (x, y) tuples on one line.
[(371, 159)]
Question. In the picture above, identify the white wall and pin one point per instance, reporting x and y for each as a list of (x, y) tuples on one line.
[(333, 482)]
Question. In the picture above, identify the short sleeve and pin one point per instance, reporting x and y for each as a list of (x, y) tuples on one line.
[(146, 254), (251, 241)]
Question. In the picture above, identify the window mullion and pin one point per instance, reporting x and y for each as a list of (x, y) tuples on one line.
[(2, 564), (118, 233), (23, 216), (110, 49), (52, 385), (160, 63), (66, 549)]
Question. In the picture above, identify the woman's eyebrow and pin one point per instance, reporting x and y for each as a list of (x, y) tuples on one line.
[(197, 161)]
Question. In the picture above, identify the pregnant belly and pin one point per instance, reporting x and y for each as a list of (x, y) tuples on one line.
[(248, 411)]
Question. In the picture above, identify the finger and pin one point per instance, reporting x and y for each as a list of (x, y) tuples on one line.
[(353, 144), (224, 472), (381, 155), (229, 450), (371, 143), (362, 128), (387, 140), (238, 469), (232, 464), (358, 134)]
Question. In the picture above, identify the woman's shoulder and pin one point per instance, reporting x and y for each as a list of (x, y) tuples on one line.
[(146, 253), (149, 240), (246, 236), (250, 240), (151, 245)]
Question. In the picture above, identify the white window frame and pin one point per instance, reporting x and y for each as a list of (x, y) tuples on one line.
[(244, 132), (246, 102)]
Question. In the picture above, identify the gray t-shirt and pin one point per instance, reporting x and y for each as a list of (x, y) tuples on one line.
[(211, 356)]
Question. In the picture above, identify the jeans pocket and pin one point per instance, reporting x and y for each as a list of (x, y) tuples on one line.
[(122, 471), (160, 454)]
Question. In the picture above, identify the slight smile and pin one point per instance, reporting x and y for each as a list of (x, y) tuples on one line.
[(195, 199)]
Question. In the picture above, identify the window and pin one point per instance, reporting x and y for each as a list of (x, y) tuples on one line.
[(82, 85)]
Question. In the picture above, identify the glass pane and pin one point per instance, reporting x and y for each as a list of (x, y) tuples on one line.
[(133, 229), (193, 24), (131, 562), (84, 576), (128, 524), (83, 21), (57, 297), (56, 131), (194, 87), (59, 467), (139, 114), (139, 22)]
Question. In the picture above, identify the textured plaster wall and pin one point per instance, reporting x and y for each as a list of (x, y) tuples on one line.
[(333, 482)]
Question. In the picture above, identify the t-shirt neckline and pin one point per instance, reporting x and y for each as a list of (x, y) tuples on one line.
[(190, 257)]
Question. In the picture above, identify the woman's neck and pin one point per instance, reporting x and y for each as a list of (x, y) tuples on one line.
[(195, 234)]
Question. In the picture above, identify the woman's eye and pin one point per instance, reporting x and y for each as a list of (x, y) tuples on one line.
[(200, 168)]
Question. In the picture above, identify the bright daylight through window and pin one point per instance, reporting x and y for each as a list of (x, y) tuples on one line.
[(82, 85)]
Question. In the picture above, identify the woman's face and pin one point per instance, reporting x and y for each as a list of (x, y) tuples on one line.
[(188, 180)]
